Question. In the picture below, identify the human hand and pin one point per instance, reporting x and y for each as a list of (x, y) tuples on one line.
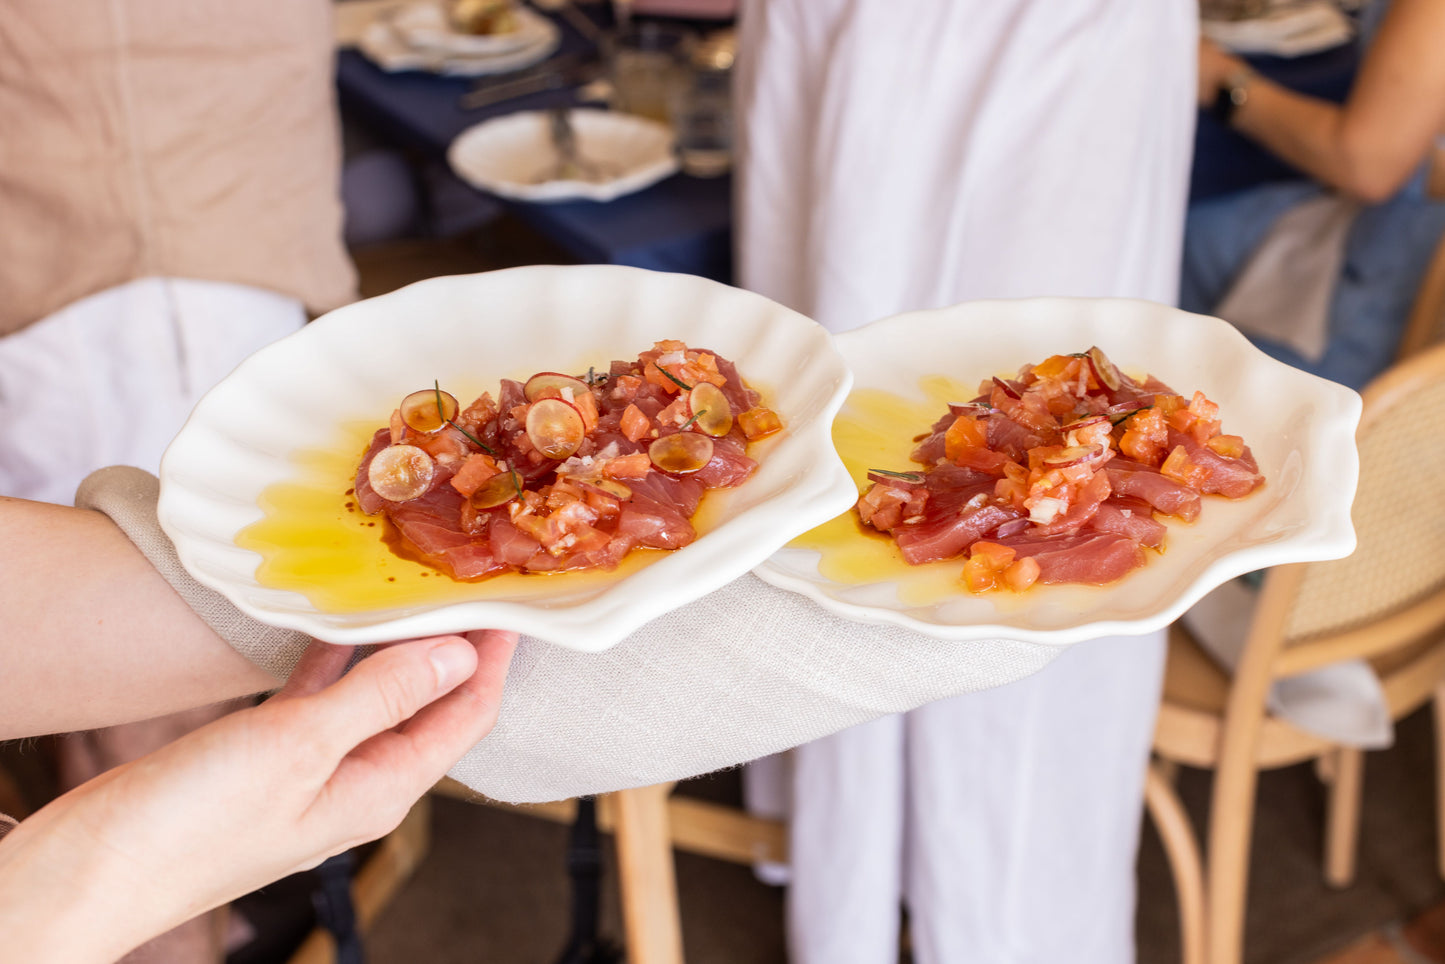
[(1215, 67), (322, 766)]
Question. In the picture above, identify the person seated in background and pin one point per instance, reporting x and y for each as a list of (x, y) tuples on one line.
[(1319, 259)]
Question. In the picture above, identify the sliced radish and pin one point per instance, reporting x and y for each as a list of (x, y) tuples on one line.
[(498, 490), (420, 413), (608, 487), (544, 380), (555, 428), (1131, 406), (1074, 455), (1008, 389), (971, 409), (681, 453), (400, 473), (1085, 422), (710, 410), (1104, 370)]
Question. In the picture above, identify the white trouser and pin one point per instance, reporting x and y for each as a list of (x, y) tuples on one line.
[(1007, 819), (900, 156), (110, 379)]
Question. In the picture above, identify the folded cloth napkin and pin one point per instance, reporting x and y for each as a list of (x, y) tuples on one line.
[(1287, 30), (1342, 702), (744, 672), (1283, 294)]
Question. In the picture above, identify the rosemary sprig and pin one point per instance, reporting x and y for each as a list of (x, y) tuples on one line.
[(436, 386), (685, 386), (516, 481), (907, 476), (699, 414)]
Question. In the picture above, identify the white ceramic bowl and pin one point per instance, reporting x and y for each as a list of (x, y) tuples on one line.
[(512, 156), (353, 364), (1300, 428)]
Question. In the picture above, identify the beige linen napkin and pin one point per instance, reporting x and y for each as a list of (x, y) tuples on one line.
[(744, 672), (1284, 292)]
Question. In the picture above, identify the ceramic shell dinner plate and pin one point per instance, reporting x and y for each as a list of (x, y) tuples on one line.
[(386, 47), (1300, 428), (284, 404), (511, 156), (424, 26)]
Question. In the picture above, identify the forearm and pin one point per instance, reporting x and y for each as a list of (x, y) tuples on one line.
[(93, 634), (56, 901), (1370, 145), (1314, 136)]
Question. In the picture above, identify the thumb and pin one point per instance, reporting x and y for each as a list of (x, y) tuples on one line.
[(384, 690)]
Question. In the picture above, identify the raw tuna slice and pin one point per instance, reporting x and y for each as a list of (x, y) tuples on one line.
[(1143, 482), (1095, 558)]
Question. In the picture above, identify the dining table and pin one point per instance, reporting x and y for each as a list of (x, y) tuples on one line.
[(681, 224)]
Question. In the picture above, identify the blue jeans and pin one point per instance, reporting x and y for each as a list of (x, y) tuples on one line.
[(1386, 254)]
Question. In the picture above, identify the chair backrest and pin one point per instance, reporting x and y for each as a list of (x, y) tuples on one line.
[(1391, 586), (1426, 324)]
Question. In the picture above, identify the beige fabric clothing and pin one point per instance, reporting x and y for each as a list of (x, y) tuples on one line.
[(183, 138), (1284, 292)]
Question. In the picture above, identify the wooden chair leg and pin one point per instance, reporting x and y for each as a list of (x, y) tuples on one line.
[(1439, 710), (1231, 825), (1342, 815), (646, 878), (389, 866), (1185, 863)]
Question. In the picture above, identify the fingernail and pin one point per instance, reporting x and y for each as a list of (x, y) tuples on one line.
[(452, 662)]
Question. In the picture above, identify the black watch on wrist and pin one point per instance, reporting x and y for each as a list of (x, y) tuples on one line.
[(1232, 95)]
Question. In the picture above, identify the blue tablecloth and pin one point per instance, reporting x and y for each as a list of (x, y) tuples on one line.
[(680, 224)]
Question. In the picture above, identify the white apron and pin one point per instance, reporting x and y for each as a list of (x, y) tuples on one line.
[(110, 379), (906, 155)]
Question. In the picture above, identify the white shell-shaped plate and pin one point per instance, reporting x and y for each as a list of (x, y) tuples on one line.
[(1300, 428), (384, 47), (357, 361), (424, 26), (507, 155)]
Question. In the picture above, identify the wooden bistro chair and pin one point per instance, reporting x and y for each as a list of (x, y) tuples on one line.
[(1426, 323), (1384, 604)]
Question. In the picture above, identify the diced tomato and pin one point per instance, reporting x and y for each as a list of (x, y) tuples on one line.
[(1021, 574), (477, 469), (1146, 436), (634, 466), (1229, 446), (993, 554), (634, 424), (882, 506), (964, 433), (626, 386), (759, 423), (586, 404), (1177, 466)]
